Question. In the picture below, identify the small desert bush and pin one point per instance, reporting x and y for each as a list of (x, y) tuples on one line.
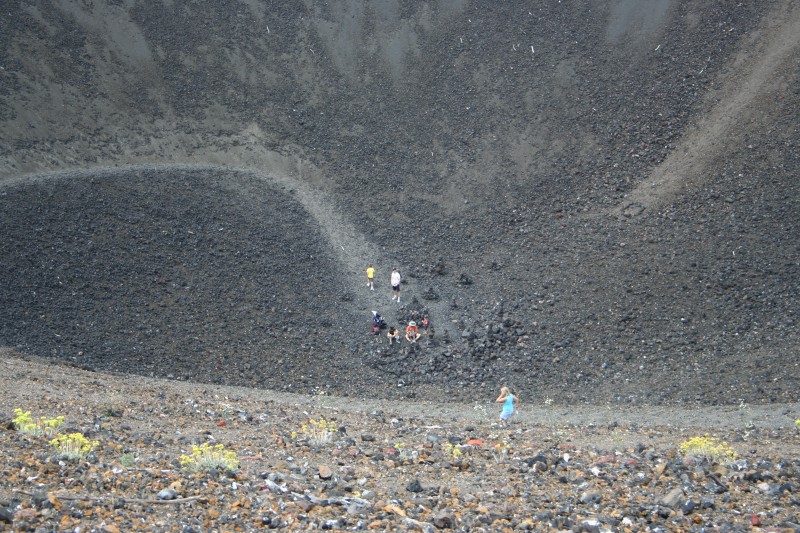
[(483, 413), (73, 446), (709, 448), (208, 457), (500, 450), (404, 455), (41, 427), (316, 432), (452, 450)]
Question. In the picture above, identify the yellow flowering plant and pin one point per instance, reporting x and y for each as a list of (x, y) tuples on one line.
[(208, 457), (403, 454), (452, 450), (41, 427), (709, 448), (316, 432), (73, 446)]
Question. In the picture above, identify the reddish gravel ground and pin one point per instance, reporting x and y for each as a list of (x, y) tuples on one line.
[(388, 465)]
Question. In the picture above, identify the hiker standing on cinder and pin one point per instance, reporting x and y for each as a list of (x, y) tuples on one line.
[(396, 279), (508, 400), (371, 277)]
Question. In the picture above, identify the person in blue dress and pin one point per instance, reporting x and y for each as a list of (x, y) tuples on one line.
[(509, 404)]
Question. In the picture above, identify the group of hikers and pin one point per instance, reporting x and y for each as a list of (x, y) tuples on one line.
[(415, 328), (414, 331)]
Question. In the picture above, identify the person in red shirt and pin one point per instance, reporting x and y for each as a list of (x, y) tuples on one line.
[(412, 332)]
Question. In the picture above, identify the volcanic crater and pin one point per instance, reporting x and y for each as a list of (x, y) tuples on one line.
[(597, 204)]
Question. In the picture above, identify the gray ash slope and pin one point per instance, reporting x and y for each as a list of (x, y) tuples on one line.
[(183, 273), (497, 153)]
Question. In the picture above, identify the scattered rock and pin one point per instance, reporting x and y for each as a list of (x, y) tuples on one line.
[(673, 497), (444, 519), (304, 505), (591, 497), (430, 295), (324, 472), (167, 494), (689, 507), (414, 486)]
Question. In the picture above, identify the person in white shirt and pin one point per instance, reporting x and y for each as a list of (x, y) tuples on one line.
[(396, 279)]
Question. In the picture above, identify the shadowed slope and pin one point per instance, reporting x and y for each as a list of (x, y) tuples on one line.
[(200, 274)]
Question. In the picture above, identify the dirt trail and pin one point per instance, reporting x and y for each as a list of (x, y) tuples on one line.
[(36, 373), (348, 244), (354, 251), (738, 99)]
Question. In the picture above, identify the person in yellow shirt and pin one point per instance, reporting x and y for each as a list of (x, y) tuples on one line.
[(371, 277)]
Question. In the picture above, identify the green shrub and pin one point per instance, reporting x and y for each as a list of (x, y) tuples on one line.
[(127, 460)]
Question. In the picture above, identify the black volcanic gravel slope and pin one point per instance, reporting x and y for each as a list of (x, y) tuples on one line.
[(196, 274), (497, 152)]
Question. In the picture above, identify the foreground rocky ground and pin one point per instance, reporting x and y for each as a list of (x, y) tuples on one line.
[(387, 466)]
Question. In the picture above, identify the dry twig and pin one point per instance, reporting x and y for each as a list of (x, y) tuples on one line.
[(70, 497)]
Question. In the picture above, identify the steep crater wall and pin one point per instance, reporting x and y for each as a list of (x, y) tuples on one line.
[(195, 273), (584, 196)]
